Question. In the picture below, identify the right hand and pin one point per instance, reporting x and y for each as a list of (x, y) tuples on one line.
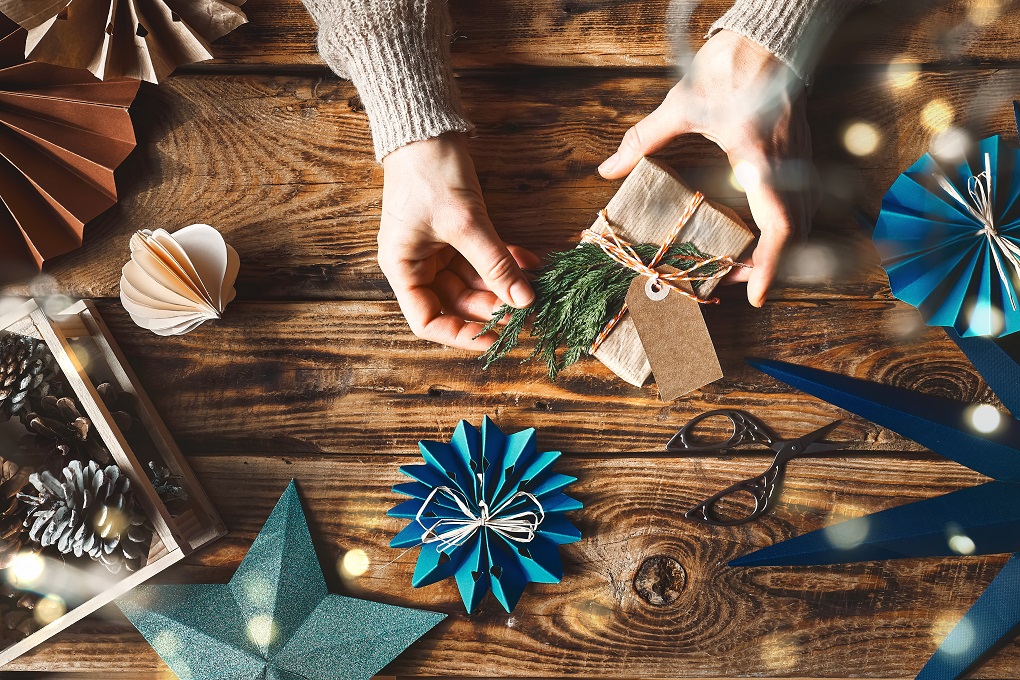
[(447, 266)]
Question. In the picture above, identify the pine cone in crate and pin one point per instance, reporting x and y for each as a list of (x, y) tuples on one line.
[(26, 367), (89, 510), (17, 615), (66, 434), (14, 511)]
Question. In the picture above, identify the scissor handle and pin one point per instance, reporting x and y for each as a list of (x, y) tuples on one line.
[(762, 488), (745, 428)]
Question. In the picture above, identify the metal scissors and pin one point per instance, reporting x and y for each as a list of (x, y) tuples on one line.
[(747, 429)]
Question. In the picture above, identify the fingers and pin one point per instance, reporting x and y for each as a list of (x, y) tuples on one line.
[(459, 300), (777, 224), (423, 311), (491, 259), (649, 135)]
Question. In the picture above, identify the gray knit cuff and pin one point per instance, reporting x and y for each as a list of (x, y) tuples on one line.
[(400, 64), (795, 31)]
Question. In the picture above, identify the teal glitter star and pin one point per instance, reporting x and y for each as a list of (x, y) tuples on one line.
[(274, 620)]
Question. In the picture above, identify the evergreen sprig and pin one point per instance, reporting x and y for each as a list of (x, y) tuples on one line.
[(577, 292)]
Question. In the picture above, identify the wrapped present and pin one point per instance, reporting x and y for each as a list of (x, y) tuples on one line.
[(633, 286), (648, 208)]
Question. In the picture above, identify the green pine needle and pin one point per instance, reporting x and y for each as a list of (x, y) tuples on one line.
[(577, 292)]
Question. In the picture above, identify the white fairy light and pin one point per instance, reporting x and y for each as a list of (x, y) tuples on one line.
[(961, 544), (937, 115), (261, 629), (26, 570), (745, 176), (354, 563), (985, 418), (861, 138)]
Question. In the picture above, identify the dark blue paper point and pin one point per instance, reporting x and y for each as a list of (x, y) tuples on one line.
[(979, 520)]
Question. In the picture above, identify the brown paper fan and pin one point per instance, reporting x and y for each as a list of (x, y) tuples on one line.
[(140, 39), (62, 133)]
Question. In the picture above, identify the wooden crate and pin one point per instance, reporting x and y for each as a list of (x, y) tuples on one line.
[(85, 350)]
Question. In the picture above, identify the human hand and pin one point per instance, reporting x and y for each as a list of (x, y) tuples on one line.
[(740, 96), (447, 266)]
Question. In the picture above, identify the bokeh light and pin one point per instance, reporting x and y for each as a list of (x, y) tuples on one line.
[(354, 563), (962, 544), (902, 73), (937, 115), (861, 138), (984, 418), (745, 176), (950, 144), (778, 653), (847, 535), (26, 570), (258, 589), (49, 609), (983, 12), (812, 263), (261, 629), (963, 640)]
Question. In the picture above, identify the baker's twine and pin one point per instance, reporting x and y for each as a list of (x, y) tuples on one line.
[(981, 207), (623, 253), (519, 527)]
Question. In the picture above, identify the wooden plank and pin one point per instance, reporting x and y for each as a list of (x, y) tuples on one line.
[(283, 166), (878, 619), (633, 33), (316, 377)]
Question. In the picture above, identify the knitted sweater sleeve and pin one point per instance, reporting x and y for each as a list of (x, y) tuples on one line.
[(397, 53), (795, 31)]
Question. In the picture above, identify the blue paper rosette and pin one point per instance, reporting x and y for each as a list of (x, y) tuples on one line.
[(487, 509), (949, 237)]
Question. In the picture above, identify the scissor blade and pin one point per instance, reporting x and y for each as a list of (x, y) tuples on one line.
[(810, 443), (942, 425)]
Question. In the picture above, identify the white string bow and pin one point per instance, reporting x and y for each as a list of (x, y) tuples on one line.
[(981, 206), (519, 527)]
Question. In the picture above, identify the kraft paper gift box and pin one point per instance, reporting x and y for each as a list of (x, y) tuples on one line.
[(645, 209)]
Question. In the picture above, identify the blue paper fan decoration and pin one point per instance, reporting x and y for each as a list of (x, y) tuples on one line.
[(949, 237), (487, 509)]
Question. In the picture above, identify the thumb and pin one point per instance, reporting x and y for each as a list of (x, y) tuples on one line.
[(478, 242), (773, 217), (649, 135)]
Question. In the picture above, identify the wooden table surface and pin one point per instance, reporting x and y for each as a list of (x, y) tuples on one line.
[(314, 375)]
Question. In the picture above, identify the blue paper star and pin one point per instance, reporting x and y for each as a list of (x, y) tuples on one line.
[(274, 620), (979, 520), (503, 478)]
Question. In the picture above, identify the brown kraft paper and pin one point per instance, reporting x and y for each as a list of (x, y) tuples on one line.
[(644, 210), (674, 337)]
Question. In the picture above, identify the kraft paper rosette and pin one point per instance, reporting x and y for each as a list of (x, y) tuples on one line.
[(949, 237), (488, 510), (62, 135), (139, 39), (174, 283)]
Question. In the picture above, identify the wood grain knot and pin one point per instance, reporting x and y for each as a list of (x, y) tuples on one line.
[(660, 580)]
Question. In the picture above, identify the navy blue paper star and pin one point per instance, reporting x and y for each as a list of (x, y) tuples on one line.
[(980, 520), (275, 620)]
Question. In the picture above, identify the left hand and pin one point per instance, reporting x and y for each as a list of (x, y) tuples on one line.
[(751, 104)]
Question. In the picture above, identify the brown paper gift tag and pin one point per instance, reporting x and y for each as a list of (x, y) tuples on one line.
[(674, 337), (644, 210)]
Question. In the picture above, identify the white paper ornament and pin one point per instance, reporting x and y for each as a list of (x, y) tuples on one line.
[(175, 282)]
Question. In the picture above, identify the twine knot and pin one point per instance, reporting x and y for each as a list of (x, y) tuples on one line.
[(623, 253), (981, 206), (519, 527)]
